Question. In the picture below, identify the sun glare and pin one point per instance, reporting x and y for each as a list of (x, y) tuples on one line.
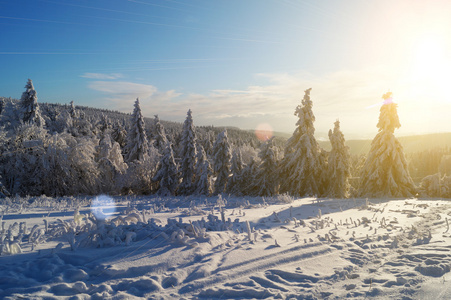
[(430, 67)]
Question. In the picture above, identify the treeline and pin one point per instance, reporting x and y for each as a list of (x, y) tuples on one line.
[(60, 150)]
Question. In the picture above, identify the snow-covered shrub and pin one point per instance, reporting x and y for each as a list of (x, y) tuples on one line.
[(284, 198)]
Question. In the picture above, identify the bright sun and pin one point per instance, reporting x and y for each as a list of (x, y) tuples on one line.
[(431, 67)]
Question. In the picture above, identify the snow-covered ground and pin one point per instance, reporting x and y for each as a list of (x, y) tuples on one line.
[(307, 249)]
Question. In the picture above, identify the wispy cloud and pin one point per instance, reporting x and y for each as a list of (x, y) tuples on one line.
[(102, 76), (120, 95), (122, 88)]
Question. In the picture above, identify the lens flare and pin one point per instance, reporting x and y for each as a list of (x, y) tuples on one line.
[(264, 132), (103, 206)]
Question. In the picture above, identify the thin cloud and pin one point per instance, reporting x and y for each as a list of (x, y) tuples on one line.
[(101, 76), (123, 88)]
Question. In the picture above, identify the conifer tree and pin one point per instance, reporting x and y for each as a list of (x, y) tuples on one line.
[(160, 136), (119, 134), (167, 174), (385, 173), (222, 156), (111, 164), (203, 173), (266, 177), (249, 179), (235, 180), (2, 104), (104, 124), (30, 106), (188, 156), (137, 144), (303, 163), (3, 191), (73, 112), (339, 164)]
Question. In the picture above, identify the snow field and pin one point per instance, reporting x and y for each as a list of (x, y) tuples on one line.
[(310, 249)]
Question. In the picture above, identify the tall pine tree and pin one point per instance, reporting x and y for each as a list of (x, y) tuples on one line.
[(137, 144), (339, 164), (303, 163), (30, 106), (188, 156), (160, 136), (167, 174), (234, 184), (203, 173), (385, 173), (222, 156), (266, 180)]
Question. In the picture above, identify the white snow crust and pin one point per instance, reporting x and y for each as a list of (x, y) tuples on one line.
[(160, 248)]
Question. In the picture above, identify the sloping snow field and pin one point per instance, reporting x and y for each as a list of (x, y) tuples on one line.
[(237, 248)]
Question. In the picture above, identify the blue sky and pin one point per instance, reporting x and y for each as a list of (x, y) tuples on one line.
[(235, 62)]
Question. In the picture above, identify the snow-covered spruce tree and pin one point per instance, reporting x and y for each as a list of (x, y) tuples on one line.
[(72, 111), (137, 144), (248, 184), (3, 191), (167, 174), (385, 173), (339, 164), (188, 156), (56, 170), (235, 180), (204, 173), (160, 136), (25, 148), (30, 106), (302, 168), (267, 171), (2, 104), (111, 165), (119, 134), (104, 124), (222, 156), (85, 171)]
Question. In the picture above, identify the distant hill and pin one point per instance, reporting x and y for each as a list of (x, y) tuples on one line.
[(414, 143)]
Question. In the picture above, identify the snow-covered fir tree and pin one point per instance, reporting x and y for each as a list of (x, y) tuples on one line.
[(119, 134), (72, 110), (24, 158), (188, 156), (234, 184), (2, 104), (160, 136), (302, 168), (204, 173), (85, 169), (30, 106), (111, 164), (137, 146), (385, 173), (339, 164), (104, 124), (222, 156), (267, 171), (3, 191), (56, 170), (249, 178), (167, 173)]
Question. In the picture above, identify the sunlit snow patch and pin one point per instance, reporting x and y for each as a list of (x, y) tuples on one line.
[(103, 206)]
